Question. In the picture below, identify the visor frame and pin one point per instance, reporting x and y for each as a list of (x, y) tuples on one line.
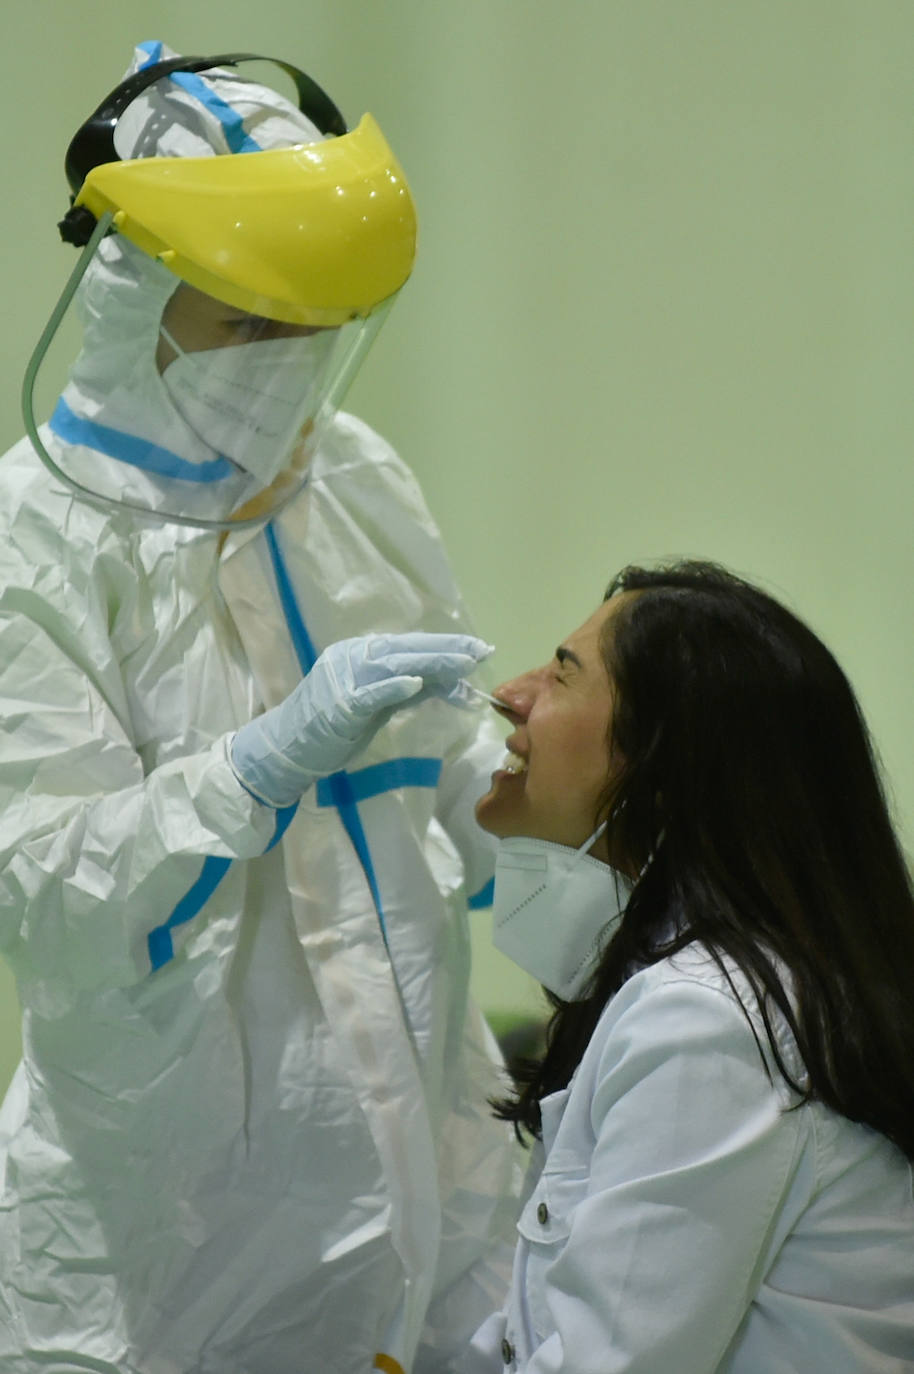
[(93, 142)]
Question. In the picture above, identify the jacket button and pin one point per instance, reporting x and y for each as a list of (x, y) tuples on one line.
[(507, 1351), (542, 1214)]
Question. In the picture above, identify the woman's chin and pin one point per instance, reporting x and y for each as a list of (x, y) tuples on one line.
[(492, 816)]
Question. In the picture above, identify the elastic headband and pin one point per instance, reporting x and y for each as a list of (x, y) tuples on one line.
[(93, 143)]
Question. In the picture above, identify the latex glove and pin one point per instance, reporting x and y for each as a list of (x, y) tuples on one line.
[(353, 688)]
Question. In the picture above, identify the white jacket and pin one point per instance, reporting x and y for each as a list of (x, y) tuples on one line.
[(685, 1221), (249, 1134)]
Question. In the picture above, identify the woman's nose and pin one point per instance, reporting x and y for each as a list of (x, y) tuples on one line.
[(518, 695)]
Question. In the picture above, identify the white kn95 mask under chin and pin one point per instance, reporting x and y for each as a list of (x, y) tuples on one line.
[(555, 909)]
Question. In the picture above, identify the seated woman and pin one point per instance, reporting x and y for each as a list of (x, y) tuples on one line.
[(697, 860)]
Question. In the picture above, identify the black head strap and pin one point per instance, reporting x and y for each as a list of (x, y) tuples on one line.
[(93, 143)]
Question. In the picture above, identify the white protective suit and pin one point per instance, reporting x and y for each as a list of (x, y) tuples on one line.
[(250, 1133)]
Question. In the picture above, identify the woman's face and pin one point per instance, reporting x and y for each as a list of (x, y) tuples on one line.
[(559, 762)]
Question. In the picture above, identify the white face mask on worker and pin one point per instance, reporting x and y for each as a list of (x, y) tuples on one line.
[(555, 909), (250, 401)]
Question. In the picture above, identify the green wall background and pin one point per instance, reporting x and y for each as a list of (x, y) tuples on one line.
[(663, 304)]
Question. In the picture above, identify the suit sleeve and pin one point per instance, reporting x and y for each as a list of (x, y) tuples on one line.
[(95, 853), (465, 777)]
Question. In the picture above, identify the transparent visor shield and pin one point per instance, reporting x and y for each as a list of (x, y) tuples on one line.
[(146, 393)]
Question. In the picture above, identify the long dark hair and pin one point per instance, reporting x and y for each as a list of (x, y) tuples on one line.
[(749, 793)]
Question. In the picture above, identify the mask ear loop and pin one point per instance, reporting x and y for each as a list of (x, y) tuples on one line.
[(93, 143), (172, 342), (586, 846)]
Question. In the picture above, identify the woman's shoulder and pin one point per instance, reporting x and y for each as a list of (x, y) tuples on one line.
[(695, 965), (698, 996)]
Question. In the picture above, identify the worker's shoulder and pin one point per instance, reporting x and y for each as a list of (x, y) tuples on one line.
[(349, 441), (40, 517), (362, 469)]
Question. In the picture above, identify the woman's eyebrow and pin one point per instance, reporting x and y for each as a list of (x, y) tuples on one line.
[(567, 656)]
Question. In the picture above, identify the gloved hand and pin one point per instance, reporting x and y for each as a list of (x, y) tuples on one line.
[(353, 688)]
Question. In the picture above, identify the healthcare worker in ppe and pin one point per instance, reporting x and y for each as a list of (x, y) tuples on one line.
[(249, 1133), (697, 861)]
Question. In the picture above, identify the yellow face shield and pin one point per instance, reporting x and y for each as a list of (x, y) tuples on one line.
[(316, 234), (219, 310)]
